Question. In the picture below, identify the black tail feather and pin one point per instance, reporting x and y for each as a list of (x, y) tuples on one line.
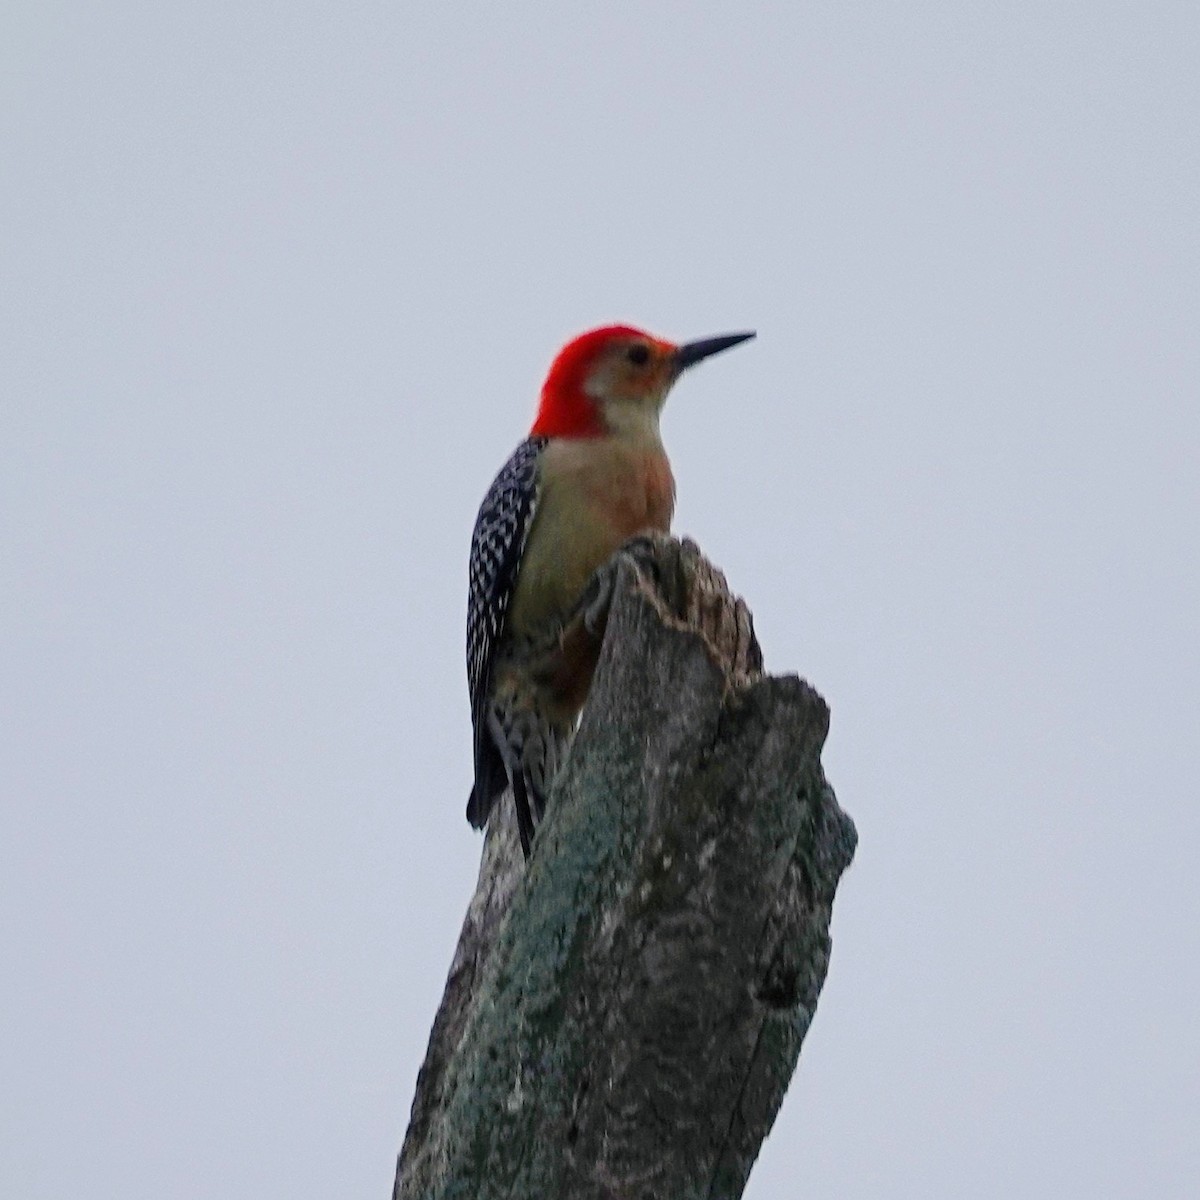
[(490, 781), (524, 815)]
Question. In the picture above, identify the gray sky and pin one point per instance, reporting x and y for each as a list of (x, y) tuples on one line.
[(278, 286)]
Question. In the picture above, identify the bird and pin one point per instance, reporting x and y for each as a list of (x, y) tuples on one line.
[(591, 474)]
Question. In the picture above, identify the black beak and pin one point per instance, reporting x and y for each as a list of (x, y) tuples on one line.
[(689, 354)]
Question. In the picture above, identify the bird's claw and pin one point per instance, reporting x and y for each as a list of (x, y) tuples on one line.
[(599, 600), (641, 551)]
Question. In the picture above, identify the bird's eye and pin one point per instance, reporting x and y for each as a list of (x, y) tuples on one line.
[(639, 355)]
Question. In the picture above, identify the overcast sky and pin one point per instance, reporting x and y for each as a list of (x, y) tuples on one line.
[(278, 286)]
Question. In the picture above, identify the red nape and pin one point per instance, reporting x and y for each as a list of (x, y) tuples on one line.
[(565, 410)]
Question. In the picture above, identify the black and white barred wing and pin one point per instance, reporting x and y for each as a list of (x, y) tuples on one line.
[(501, 530)]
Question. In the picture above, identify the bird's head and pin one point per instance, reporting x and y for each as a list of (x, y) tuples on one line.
[(616, 378)]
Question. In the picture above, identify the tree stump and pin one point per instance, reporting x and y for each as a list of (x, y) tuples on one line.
[(623, 1015)]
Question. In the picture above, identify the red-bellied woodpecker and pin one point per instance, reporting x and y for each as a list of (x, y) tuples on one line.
[(591, 474)]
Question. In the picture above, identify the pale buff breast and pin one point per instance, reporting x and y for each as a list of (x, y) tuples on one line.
[(595, 494)]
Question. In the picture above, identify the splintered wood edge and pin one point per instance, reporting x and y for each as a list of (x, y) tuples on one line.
[(692, 594)]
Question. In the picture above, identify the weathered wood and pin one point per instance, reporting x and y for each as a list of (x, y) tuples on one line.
[(622, 1018)]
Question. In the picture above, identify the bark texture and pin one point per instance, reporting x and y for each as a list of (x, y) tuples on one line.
[(623, 1016)]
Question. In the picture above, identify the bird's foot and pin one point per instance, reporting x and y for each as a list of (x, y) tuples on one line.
[(642, 552)]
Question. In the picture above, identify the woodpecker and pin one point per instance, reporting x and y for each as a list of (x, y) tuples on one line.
[(591, 474)]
